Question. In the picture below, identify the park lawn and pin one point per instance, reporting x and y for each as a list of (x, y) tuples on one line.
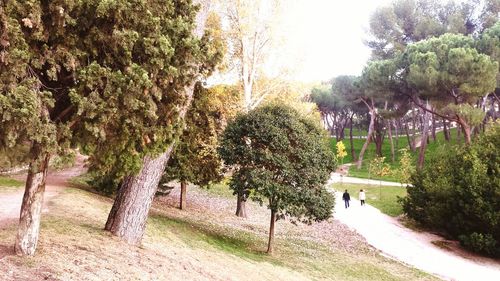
[(384, 198), (9, 184), (184, 245), (402, 142)]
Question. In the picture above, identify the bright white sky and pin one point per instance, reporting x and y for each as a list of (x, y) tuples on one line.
[(328, 36)]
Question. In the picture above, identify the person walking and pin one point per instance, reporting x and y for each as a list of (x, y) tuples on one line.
[(362, 197), (346, 198)]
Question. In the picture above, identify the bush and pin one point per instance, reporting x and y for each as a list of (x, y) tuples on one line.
[(458, 192)]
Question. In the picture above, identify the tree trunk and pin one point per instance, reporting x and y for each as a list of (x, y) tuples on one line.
[(367, 142), (396, 130), (241, 210), (182, 205), (271, 232), (389, 131), (407, 131), (353, 153), (433, 128), (128, 216), (446, 132), (466, 130), (31, 207), (423, 138)]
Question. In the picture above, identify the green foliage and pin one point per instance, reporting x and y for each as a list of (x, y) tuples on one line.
[(406, 168), (403, 22), (449, 70), (378, 167), (282, 158), (110, 76), (459, 192), (195, 157)]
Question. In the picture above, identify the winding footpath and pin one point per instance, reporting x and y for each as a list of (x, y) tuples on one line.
[(408, 246), (10, 203)]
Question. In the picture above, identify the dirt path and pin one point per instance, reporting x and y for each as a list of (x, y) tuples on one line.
[(414, 248), (56, 181)]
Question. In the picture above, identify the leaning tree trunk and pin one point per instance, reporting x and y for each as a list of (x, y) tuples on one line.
[(353, 153), (31, 208), (389, 131), (183, 198), (367, 142), (271, 232), (241, 209), (127, 218), (466, 130), (423, 139)]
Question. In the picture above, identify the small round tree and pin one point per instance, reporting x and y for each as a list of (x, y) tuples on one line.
[(283, 159)]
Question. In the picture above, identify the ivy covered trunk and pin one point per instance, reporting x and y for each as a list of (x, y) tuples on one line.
[(182, 205), (31, 208), (128, 216), (241, 210), (271, 232)]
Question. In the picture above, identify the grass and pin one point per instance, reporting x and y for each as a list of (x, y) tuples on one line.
[(73, 245), (384, 198), (9, 184), (370, 153)]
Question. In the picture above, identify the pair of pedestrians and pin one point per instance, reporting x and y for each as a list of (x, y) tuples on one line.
[(346, 197)]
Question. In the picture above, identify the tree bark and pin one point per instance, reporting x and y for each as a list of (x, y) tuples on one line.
[(367, 142), (446, 132), (271, 232), (407, 131), (466, 130), (423, 139), (353, 153), (128, 216), (241, 210), (182, 204), (31, 207), (389, 131), (433, 127)]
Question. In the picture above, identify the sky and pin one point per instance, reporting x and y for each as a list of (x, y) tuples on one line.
[(327, 36)]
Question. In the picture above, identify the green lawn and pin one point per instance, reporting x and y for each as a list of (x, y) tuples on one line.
[(402, 142), (384, 198), (8, 184)]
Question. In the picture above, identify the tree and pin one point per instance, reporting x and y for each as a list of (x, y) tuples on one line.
[(405, 169), (195, 157), (341, 153), (403, 22), (452, 75), (78, 65), (463, 185), (127, 218), (281, 158)]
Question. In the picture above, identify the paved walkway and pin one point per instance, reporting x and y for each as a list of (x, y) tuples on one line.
[(413, 248)]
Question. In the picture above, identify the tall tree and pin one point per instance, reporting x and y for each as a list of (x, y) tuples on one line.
[(452, 75), (101, 74), (195, 159), (285, 161), (403, 22), (127, 218)]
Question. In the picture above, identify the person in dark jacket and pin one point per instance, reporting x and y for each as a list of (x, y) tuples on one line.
[(346, 198)]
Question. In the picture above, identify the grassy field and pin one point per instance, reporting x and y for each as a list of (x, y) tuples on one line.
[(202, 242), (384, 198), (9, 184), (370, 153)]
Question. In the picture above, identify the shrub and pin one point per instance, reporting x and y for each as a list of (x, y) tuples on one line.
[(458, 192)]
